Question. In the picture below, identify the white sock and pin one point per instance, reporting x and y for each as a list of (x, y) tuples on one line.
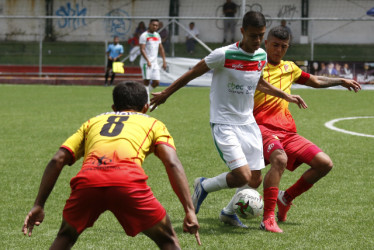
[(229, 209), (151, 88), (216, 183), (147, 88)]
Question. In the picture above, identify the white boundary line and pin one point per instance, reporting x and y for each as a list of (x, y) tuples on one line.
[(330, 125)]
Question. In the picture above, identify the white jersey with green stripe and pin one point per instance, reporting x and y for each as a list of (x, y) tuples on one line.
[(235, 77), (152, 42)]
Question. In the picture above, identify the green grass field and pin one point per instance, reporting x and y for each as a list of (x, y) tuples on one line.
[(336, 214)]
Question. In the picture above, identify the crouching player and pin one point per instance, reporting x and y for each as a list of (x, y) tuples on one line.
[(114, 146)]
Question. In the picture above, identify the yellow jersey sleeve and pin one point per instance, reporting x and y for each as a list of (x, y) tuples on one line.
[(162, 135), (75, 143)]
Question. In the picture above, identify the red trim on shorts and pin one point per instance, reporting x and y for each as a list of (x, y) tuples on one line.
[(310, 153), (270, 148), (71, 152), (305, 157)]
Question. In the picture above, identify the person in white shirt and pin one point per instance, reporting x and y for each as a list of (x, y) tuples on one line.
[(190, 40), (237, 73), (150, 44)]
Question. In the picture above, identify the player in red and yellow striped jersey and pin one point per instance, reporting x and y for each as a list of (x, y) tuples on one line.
[(283, 147), (114, 146)]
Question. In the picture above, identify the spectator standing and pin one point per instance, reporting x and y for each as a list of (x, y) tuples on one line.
[(190, 40), (229, 10), (140, 29), (284, 24)]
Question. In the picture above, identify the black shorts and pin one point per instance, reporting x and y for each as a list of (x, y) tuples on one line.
[(109, 64)]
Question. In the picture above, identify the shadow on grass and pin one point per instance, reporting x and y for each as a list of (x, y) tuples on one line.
[(213, 226)]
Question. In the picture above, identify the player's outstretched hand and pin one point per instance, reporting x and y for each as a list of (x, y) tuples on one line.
[(34, 217), (298, 100), (351, 85), (157, 99), (191, 225)]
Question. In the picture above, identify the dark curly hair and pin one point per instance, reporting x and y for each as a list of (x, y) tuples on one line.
[(129, 95)]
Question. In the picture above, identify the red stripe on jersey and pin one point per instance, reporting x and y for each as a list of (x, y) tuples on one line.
[(303, 78), (268, 82), (152, 38), (145, 138), (280, 78), (291, 74), (244, 65)]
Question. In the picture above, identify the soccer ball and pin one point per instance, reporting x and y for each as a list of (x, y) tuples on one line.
[(248, 203)]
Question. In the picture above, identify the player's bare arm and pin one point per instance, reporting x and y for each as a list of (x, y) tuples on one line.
[(162, 53), (142, 51), (326, 82), (179, 183), (269, 89), (50, 176), (160, 97)]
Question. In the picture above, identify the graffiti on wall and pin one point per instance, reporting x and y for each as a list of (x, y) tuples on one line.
[(70, 13), (118, 26), (287, 11), (248, 7)]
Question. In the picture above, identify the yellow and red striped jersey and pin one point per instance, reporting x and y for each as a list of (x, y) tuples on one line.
[(273, 111), (116, 142)]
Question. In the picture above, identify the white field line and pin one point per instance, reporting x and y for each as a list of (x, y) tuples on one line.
[(330, 125)]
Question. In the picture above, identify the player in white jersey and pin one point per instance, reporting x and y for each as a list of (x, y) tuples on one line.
[(150, 44), (237, 73)]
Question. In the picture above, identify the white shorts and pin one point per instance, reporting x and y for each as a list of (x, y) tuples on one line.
[(150, 73), (239, 145)]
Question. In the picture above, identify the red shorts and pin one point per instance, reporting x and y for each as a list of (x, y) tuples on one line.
[(298, 149), (135, 208)]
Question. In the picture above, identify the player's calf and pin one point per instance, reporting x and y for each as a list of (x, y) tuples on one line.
[(66, 237), (163, 234)]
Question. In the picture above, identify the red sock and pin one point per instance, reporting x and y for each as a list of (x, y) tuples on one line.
[(297, 189), (270, 201)]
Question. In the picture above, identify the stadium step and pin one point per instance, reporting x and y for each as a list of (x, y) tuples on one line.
[(63, 75)]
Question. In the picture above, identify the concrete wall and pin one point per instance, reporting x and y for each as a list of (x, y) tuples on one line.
[(69, 28)]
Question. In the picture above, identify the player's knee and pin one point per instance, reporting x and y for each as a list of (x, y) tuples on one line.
[(241, 177), (323, 164), (279, 160), (256, 179), (255, 182), (326, 165), (242, 180)]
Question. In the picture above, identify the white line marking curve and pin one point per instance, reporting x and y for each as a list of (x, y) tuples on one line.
[(330, 125)]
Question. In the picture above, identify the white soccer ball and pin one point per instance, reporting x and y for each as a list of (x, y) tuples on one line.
[(248, 203)]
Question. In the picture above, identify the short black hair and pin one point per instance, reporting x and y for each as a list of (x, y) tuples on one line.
[(254, 19), (129, 95), (154, 20), (280, 32)]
